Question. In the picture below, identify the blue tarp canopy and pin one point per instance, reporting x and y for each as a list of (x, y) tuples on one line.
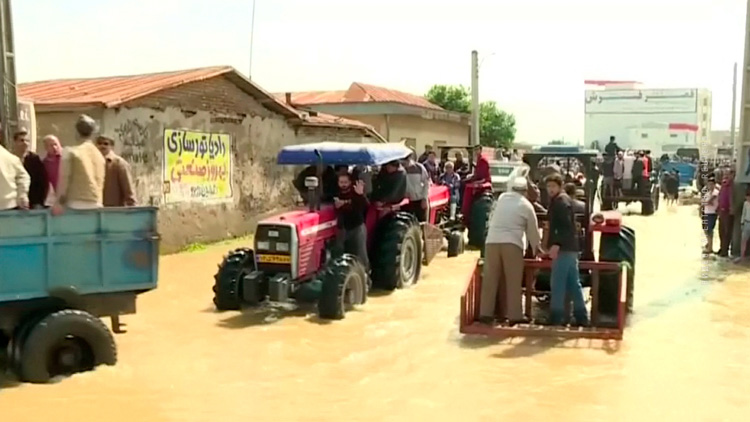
[(335, 153)]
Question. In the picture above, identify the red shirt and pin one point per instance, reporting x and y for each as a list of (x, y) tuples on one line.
[(481, 171), (52, 165), (646, 167)]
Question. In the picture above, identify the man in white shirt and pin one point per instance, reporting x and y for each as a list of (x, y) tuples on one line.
[(710, 202), (513, 222), (627, 172), (14, 182)]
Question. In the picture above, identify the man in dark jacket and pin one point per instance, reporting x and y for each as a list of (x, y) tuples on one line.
[(389, 187), (35, 167), (563, 250), (612, 148), (351, 205)]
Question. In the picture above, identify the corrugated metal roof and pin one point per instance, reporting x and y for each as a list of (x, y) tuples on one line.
[(116, 90), (358, 93), (329, 120)]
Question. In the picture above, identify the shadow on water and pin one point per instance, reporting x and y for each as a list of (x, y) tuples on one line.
[(520, 347)]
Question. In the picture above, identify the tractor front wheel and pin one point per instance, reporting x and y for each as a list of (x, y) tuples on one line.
[(228, 280), (344, 286)]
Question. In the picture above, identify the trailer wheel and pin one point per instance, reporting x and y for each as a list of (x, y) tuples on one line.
[(396, 256), (481, 209), (616, 248), (64, 343), (344, 285), (455, 243), (228, 280)]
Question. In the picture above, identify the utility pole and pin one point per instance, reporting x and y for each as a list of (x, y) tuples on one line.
[(734, 104), (474, 139), (8, 93), (252, 40)]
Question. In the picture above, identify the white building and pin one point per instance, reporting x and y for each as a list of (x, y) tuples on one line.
[(661, 120)]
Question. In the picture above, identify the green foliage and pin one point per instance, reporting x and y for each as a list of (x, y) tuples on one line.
[(450, 97), (497, 128)]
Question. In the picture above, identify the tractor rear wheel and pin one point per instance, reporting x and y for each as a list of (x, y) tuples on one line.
[(344, 285), (396, 256), (481, 209), (64, 343), (455, 243), (616, 247), (228, 280)]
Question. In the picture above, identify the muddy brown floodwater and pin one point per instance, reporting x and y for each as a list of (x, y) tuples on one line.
[(686, 354)]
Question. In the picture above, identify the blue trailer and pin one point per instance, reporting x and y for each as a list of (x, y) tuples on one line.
[(60, 274)]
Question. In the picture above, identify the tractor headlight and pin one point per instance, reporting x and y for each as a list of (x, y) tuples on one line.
[(282, 247), (264, 245)]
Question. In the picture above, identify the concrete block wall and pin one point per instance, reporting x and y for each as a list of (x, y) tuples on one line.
[(216, 106)]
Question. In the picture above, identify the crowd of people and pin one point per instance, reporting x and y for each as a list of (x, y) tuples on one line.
[(353, 190), (86, 176)]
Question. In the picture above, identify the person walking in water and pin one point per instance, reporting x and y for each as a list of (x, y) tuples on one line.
[(82, 172)]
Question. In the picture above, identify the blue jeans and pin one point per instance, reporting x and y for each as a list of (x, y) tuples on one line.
[(565, 281)]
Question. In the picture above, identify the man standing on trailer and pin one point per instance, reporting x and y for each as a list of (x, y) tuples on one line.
[(563, 250), (14, 182), (81, 184), (118, 184), (512, 219)]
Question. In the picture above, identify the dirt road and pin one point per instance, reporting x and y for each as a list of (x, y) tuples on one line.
[(684, 357)]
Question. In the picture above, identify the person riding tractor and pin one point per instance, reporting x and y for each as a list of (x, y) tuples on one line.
[(297, 254)]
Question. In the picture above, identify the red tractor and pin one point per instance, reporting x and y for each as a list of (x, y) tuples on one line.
[(609, 275), (293, 256)]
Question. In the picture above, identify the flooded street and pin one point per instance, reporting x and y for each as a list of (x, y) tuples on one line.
[(685, 356)]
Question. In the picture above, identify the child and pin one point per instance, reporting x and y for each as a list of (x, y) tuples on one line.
[(745, 224)]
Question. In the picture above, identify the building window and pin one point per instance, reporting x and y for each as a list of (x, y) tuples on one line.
[(703, 132), (672, 135), (705, 116), (410, 142), (644, 135), (705, 102)]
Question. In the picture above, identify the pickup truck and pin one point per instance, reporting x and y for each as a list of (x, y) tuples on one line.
[(60, 274)]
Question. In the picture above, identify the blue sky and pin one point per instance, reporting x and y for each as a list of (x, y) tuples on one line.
[(536, 53)]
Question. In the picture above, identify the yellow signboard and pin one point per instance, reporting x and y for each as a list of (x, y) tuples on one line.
[(197, 166), (274, 259)]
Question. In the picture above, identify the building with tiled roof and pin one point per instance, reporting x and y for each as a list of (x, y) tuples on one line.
[(397, 115), (201, 143)]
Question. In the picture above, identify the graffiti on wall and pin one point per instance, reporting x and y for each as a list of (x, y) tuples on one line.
[(197, 166), (132, 136)]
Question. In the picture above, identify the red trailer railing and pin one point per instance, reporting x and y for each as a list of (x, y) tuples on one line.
[(470, 301)]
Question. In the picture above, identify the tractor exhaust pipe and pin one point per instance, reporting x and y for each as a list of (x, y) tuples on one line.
[(311, 183)]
